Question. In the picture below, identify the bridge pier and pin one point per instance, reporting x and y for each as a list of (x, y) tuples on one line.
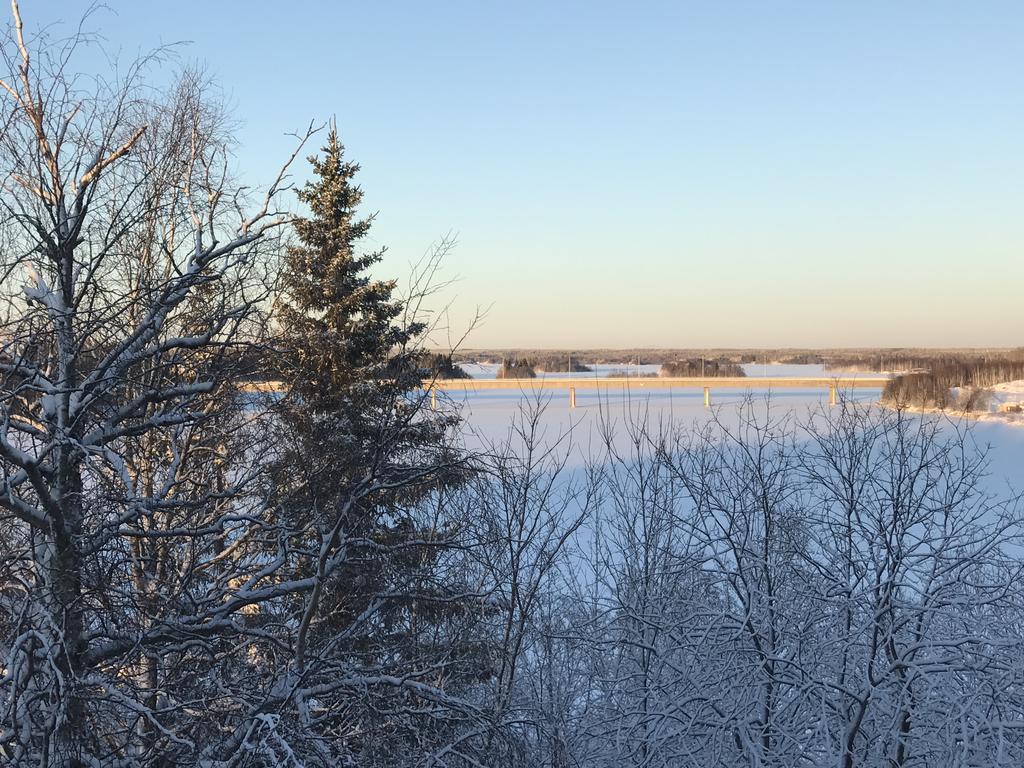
[(707, 397), (433, 398), (832, 394), (572, 397)]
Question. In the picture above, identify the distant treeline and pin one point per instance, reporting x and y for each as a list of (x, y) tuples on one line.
[(440, 366), (517, 368), (933, 388), (560, 364), (698, 367), (836, 359), (528, 367), (894, 360), (802, 358)]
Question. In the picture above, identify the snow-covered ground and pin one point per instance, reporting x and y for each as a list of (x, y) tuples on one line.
[(1007, 402), (1005, 405)]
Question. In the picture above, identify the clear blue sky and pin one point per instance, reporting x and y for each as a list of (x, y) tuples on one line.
[(656, 173)]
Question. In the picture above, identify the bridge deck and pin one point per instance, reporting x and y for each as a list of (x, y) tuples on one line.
[(661, 382)]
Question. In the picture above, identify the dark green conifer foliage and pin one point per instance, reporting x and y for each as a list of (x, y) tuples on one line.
[(353, 414), (359, 456), (340, 323), (348, 352)]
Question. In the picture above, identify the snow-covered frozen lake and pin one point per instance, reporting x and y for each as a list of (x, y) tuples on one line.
[(488, 414)]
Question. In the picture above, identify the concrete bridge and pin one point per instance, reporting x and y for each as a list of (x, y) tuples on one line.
[(706, 383)]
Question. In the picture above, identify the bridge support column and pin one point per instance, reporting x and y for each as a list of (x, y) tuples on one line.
[(433, 398), (572, 397), (832, 395), (707, 397)]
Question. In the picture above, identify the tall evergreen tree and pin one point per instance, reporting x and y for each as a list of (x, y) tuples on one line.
[(339, 323), (350, 363), (362, 462)]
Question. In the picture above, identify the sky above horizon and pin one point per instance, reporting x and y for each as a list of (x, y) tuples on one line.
[(652, 174)]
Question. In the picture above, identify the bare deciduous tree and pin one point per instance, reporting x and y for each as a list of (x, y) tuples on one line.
[(131, 279)]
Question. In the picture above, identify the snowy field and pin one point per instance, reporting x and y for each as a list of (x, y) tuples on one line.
[(489, 414)]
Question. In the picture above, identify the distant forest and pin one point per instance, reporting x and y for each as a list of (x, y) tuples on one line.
[(934, 388), (897, 359), (440, 366), (699, 367), (560, 364), (921, 360), (517, 368)]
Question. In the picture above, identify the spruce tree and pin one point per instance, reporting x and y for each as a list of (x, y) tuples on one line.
[(359, 457), (339, 323), (351, 366), (351, 412)]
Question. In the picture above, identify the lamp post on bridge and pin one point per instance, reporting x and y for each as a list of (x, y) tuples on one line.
[(572, 389)]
